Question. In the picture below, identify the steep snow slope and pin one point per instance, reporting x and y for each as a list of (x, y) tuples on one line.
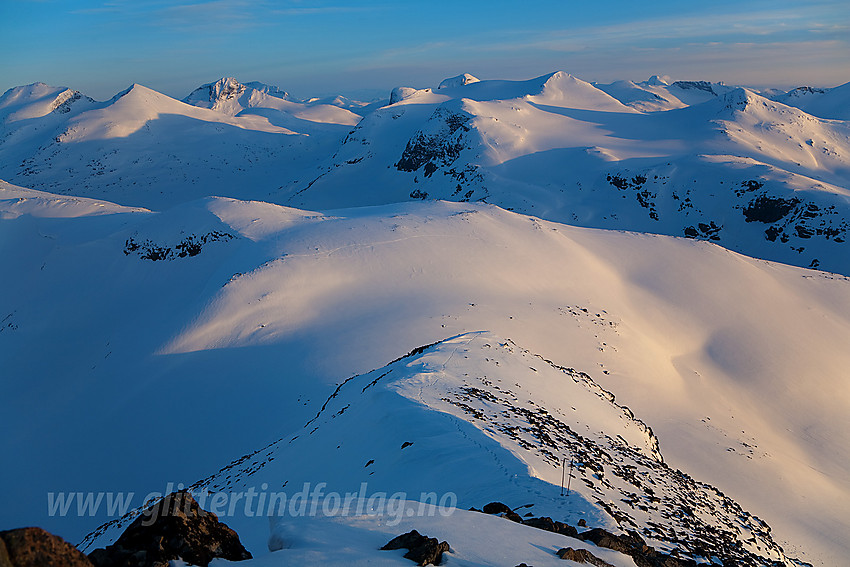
[(142, 147), (233, 321)]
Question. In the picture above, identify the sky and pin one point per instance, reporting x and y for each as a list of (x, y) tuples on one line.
[(319, 48)]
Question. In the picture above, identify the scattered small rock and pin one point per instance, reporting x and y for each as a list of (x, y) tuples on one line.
[(422, 549)]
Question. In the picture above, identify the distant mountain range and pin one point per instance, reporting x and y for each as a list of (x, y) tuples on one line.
[(766, 176)]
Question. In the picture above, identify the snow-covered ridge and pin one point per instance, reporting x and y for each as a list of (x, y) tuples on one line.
[(538, 412)]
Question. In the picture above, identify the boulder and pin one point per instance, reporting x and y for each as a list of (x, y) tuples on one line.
[(502, 510), (582, 556), (422, 549), (174, 528), (496, 508), (35, 547), (550, 525)]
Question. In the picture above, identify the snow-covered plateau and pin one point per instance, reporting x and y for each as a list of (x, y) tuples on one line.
[(472, 292)]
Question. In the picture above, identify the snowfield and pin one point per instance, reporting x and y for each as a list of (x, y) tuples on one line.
[(449, 292)]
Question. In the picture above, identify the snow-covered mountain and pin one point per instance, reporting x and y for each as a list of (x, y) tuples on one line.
[(448, 292), (753, 174), (145, 148), (831, 103), (686, 158), (217, 327), (229, 96)]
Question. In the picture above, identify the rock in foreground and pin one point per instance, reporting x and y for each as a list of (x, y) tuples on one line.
[(422, 549), (34, 547), (174, 528)]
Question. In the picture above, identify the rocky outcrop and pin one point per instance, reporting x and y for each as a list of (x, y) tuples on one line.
[(35, 547), (422, 549), (502, 510), (634, 546), (581, 556), (174, 528), (438, 144), (550, 525)]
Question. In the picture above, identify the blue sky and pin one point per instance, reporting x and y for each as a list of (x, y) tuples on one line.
[(324, 47)]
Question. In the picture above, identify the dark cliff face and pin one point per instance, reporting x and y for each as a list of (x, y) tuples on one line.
[(437, 144)]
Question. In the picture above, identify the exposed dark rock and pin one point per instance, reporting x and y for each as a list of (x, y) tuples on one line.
[(174, 528), (582, 523), (496, 508), (581, 556), (4, 556), (35, 547), (634, 546), (772, 232), (422, 549), (803, 231), (438, 144), (502, 510), (550, 525), (189, 246), (710, 231), (769, 209), (749, 186), (697, 85)]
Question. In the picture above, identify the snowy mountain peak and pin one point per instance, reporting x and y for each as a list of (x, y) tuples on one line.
[(227, 92), (210, 94), (458, 81), (270, 90), (564, 90), (804, 91), (37, 100), (655, 80), (136, 90)]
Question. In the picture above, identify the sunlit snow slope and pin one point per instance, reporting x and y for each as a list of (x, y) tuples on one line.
[(158, 345)]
